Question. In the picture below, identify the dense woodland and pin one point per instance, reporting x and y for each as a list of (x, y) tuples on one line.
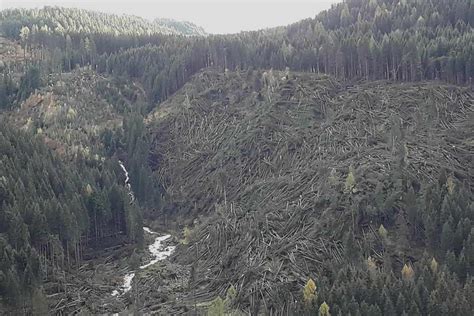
[(61, 21), (52, 211), (392, 40), (318, 168), (407, 40)]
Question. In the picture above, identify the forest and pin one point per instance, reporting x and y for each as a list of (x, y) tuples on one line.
[(323, 167), (52, 210), (393, 40)]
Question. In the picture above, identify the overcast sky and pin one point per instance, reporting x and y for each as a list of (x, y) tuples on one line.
[(215, 16)]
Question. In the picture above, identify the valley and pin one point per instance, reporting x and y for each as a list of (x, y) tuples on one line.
[(320, 168)]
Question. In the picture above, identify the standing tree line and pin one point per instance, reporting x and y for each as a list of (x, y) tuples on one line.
[(372, 40), (400, 40)]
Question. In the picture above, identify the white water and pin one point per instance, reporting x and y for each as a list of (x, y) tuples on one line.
[(158, 251), (127, 182)]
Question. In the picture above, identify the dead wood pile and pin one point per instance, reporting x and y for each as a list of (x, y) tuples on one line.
[(266, 163)]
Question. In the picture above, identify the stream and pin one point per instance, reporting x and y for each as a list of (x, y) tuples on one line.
[(157, 249), (127, 182)]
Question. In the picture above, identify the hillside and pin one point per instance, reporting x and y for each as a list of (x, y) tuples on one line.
[(325, 167), (59, 21), (75, 109), (295, 176), (404, 41), (52, 213)]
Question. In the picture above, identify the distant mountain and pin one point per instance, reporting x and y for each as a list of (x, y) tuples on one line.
[(181, 27), (61, 21)]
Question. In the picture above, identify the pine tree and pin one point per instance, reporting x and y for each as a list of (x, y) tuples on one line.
[(388, 308), (39, 303), (447, 237)]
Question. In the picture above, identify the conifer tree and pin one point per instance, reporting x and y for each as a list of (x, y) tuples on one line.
[(447, 237)]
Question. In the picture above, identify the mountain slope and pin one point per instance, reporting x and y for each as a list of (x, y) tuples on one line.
[(74, 111), (59, 21), (293, 176), (296, 191), (404, 41)]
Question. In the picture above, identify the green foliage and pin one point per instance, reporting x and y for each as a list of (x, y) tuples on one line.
[(447, 237), (277, 143), (59, 21), (134, 260), (39, 303), (354, 39), (351, 40), (30, 81), (8, 90), (46, 213), (137, 146)]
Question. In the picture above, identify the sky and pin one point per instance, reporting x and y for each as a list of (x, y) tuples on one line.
[(215, 16)]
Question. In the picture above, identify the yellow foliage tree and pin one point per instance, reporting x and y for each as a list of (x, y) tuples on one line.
[(407, 272), (383, 232), (71, 114), (231, 295), (371, 265), (216, 308), (309, 293), (333, 177), (324, 310), (450, 185), (88, 189), (434, 265), (350, 181), (187, 235)]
